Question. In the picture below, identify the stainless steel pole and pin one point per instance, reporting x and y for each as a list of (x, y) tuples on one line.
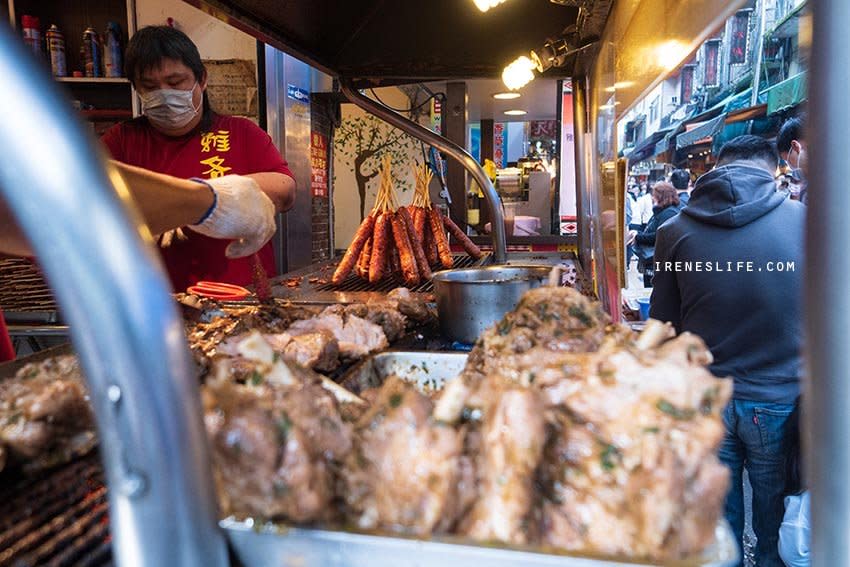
[(827, 392), (500, 250), (583, 216), (124, 325), (759, 53)]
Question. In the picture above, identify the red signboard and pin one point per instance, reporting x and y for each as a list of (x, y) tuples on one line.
[(499, 136), (740, 37), (687, 90), (318, 165), (712, 56)]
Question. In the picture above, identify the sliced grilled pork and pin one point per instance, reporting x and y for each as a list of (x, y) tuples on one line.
[(45, 416)]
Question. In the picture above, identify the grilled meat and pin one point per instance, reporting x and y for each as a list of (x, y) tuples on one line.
[(562, 430), (412, 306), (317, 350), (210, 323), (632, 441), (357, 337), (509, 450), (45, 417), (620, 432), (276, 441), (383, 314), (546, 320), (404, 472), (304, 335)]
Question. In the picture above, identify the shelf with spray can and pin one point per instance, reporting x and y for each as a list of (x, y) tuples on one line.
[(82, 43), (116, 80)]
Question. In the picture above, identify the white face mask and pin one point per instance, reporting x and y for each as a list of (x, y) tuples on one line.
[(170, 109)]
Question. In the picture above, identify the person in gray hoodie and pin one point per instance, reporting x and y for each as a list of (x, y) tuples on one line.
[(729, 269)]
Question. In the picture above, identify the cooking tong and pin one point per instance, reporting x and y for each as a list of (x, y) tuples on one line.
[(218, 290)]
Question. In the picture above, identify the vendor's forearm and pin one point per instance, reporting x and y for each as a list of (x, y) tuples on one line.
[(165, 202), (280, 188), (12, 240)]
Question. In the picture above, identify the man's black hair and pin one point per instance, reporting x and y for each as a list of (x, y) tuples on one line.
[(151, 44), (792, 129), (680, 179), (748, 147)]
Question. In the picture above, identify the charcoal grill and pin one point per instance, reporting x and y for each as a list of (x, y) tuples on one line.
[(58, 518), (312, 284), (23, 293), (28, 305)]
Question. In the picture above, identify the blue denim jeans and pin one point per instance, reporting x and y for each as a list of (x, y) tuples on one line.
[(755, 440)]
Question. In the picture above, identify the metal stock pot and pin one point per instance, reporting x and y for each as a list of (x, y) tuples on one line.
[(470, 300)]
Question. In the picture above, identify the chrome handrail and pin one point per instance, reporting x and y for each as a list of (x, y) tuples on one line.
[(110, 285), (826, 395), (500, 249)]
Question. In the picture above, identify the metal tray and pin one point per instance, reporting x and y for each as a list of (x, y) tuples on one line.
[(273, 545), (428, 370), (8, 369)]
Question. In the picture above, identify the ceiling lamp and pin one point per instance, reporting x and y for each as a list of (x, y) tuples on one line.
[(518, 73), (506, 96), (485, 5), (670, 54), (553, 54), (515, 112)]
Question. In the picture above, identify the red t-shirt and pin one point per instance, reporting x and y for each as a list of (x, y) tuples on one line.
[(232, 146), (7, 352)]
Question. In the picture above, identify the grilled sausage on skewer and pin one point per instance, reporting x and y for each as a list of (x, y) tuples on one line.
[(362, 269), (468, 245), (416, 244), (419, 221), (430, 244), (395, 263), (380, 239), (409, 270), (351, 255), (436, 222)]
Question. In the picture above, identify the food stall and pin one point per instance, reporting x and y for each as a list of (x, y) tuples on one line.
[(128, 334)]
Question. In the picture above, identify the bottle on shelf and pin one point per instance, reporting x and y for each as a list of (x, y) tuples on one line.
[(31, 30), (473, 206), (92, 54), (56, 50), (112, 57)]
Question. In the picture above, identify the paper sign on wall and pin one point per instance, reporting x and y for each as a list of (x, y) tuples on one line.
[(232, 86), (318, 165)]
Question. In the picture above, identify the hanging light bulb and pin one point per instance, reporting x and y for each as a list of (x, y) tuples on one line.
[(518, 73), (485, 5)]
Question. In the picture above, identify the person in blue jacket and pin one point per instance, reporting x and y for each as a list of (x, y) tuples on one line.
[(729, 269)]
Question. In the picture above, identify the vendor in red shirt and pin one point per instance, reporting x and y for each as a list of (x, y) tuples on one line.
[(7, 352), (181, 136)]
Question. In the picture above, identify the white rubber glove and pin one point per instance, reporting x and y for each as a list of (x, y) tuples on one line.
[(242, 212), (169, 236)]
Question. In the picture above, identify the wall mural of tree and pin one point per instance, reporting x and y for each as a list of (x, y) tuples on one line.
[(362, 141)]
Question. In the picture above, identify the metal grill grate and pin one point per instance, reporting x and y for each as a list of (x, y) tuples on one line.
[(22, 288), (57, 519), (354, 283)]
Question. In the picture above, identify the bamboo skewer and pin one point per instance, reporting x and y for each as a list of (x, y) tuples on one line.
[(411, 239)]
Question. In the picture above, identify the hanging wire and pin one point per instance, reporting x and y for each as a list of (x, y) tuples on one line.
[(439, 96)]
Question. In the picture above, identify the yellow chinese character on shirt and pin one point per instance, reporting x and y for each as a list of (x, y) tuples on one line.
[(219, 140), (217, 168)]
